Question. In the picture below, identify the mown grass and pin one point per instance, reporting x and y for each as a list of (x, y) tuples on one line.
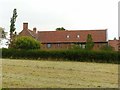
[(58, 74), (0, 74)]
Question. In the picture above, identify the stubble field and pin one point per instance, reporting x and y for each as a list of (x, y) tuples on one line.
[(58, 74)]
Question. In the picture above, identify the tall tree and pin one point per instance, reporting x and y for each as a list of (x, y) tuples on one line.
[(12, 25), (89, 43), (60, 29)]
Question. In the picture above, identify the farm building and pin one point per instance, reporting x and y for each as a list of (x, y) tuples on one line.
[(115, 44), (65, 39)]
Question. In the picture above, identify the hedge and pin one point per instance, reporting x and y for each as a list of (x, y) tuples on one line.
[(72, 55)]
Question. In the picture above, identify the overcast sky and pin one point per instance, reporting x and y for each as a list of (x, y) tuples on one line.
[(70, 14)]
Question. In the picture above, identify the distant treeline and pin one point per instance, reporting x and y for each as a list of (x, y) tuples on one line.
[(70, 55)]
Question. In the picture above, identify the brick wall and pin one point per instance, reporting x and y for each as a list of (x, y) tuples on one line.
[(97, 46), (119, 44), (114, 44)]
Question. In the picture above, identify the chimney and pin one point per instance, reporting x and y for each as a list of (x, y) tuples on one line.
[(115, 38), (25, 26), (34, 29)]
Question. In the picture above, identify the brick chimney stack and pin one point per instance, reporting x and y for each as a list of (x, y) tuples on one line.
[(25, 26), (34, 29), (115, 38)]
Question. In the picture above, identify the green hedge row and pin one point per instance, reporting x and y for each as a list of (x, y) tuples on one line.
[(72, 55)]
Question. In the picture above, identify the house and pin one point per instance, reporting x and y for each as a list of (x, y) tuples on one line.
[(115, 44), (65, 39)]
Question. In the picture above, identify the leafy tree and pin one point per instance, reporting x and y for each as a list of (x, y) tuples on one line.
[(3, 37), (89, 42), (12, 25), (25, 42), (60, 29), (2, 33)]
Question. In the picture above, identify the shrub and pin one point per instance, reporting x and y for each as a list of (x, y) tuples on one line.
[(106, 48), (72, 55), (25, 42), (76, 47)]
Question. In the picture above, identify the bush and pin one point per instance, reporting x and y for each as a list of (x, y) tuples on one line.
[(25, 42), (107, 48), (72, 55), (76, 47)]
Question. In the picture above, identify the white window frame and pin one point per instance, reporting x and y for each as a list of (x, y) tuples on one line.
[(68, 36), (49, 45), (78, 36)]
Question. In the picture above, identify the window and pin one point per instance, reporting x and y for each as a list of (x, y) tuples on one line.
[(78, 36), (83, 46), (48, 45), (58, 44), (80, 45), (68, 36)]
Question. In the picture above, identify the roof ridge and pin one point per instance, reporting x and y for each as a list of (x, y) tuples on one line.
[(30, 32), (76, 30)]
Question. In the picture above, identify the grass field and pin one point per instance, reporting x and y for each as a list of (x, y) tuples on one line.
[(58, 74), (0, 74)]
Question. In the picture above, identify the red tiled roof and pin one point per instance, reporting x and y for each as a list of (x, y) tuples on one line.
[(28, 32), (32, 33), (61, 36)]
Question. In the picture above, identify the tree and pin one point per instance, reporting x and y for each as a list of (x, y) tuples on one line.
[(12, 25), (25, 42), (3, 40), (60, 29), (2, 33), (89, 43)]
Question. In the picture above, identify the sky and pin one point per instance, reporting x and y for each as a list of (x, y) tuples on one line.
[(71, 14)]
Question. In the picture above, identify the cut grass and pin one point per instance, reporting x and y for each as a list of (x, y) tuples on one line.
[(0, 74), (58, 74)]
